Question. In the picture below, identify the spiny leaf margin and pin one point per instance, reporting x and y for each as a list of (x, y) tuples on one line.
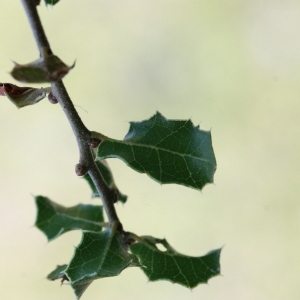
[(54, 219), (44, 69), (170, 265), (57, 273), (168, 151), (98, 255)]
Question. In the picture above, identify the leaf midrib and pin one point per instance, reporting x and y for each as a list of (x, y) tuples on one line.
[(157, 149)]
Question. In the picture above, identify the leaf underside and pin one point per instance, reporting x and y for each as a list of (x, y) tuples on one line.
[(170, 265), (169, 151), (22, 96), (54, 219), (98, 255)]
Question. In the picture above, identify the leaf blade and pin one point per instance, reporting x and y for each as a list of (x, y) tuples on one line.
[(45, 69), (175, 267), (168, 151), (22, 96), (54, 219)]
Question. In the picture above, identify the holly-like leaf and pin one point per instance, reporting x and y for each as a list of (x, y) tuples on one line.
[(169, 151), (54, 219), (98, 255), (45, 69), (51, 2), (108, 177), (170, 265), (22, 96)]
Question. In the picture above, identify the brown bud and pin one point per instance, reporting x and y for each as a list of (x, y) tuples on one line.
[(80, 169), (52, 99), (94, 142)]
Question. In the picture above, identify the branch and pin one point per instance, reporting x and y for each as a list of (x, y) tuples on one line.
[(82, 134), (36, 27)]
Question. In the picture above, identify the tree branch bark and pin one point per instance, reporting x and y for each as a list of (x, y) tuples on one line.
[(36, 27), (82, 134)]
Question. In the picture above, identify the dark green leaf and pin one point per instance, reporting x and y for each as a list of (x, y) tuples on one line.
[(51, 2), (54, 219), (169, 151), (108, 177), (58, 273), (97, 256), (22, 96), (170, 265), (44, 69)]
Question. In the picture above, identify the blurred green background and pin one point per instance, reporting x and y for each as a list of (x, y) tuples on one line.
[(229, 65)]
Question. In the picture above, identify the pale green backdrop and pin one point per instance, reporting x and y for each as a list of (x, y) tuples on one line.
[(233, 66)]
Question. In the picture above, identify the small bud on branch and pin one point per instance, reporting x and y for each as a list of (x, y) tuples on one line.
[(52, 99), (80, 169)]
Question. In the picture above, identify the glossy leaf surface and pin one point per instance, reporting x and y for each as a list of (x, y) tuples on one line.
[(170, 265), (54, 219), (98, 255), (169, 151)]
